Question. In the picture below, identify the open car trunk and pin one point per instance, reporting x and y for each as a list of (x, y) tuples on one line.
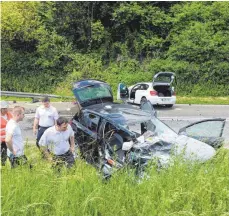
[(162, 83), (163, 90)]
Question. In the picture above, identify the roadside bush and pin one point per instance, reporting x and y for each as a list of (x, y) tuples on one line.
[(47, 45), (188, 79)]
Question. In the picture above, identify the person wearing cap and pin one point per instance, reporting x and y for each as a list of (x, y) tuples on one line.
[(58, 144), (5, 117), (45, 117), (14, 140)]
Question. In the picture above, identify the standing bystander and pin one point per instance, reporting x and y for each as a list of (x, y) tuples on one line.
[(5, 117), (45, 117), (14, 140), (58, 144)]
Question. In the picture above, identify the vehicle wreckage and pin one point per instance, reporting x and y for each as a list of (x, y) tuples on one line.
[(112, 135)]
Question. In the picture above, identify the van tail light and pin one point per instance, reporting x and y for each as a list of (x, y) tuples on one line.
[(174, 93), (153, 93)]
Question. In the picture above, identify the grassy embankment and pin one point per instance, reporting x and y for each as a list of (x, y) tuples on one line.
[(181, 189), (202, 100)]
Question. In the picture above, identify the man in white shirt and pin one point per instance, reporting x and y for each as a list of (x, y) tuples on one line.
[(45, 117), (58, 141), (14, 140)]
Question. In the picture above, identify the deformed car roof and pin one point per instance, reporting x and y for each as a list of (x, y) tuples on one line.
[(121, 112)]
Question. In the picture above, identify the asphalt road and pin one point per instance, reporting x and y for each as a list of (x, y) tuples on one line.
[(177, 117), (185, 111), (178, 111), (182, 115)]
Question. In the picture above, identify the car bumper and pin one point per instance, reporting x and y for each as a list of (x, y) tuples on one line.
[(162, 100)]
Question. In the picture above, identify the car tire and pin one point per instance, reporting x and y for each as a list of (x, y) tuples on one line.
[(143, 100), (169, 105)]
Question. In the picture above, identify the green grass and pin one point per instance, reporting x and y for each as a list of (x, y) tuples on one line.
[(202, 100), (15, 99), (181, 189)]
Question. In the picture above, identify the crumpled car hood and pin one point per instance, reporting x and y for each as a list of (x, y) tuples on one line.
[(193, 149), (162, 147)]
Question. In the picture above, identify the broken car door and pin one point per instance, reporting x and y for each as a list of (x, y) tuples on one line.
[(208, 131)]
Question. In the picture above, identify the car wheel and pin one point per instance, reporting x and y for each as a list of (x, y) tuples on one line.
[(169, 105), (143, 100)]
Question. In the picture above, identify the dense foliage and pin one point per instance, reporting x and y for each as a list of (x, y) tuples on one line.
[(48, 45)]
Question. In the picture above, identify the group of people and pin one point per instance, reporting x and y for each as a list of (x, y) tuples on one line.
[(55, 137)]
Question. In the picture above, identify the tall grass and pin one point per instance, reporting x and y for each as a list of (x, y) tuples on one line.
[(202, 100), (181, 189)]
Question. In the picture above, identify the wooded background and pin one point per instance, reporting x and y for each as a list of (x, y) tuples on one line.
[(46, 46)]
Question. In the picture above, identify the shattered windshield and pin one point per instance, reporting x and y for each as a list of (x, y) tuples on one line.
[(140, 122), (91, 92), (153, 125)]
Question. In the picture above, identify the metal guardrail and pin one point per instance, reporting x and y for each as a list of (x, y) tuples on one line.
[(31, 95)]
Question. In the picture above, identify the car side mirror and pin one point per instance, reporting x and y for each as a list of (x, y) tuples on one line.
[(147, 106), (182, 131), (123, 92)]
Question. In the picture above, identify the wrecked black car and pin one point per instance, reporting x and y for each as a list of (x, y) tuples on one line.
[(110, 135)]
